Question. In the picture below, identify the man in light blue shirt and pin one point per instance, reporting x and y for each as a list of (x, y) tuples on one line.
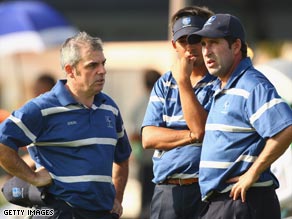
[(177, 149), (248, 127)]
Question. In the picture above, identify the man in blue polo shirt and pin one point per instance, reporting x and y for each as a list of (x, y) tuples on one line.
[(248, 127), (76, 137), (177, 149)]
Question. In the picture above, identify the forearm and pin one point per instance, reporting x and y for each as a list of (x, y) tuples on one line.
[(194, 113), (120, 178), (14, 165), (185, 75), (273, 149), (164, 138), (29, 161)]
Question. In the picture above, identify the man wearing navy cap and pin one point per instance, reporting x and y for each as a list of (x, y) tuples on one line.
[(177, 144), (248, 127)]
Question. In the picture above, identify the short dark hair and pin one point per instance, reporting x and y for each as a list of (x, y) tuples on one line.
[(230, 40)]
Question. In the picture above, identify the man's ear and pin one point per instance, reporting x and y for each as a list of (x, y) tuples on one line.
[(237, 46), (173, 44), (69, 70)]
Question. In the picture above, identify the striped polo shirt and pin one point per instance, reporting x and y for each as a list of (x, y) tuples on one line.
[(243, 114), (164, 110), (76, 144)]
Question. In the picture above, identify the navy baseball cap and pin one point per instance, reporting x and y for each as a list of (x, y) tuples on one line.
[(219, 26), (187, 25)]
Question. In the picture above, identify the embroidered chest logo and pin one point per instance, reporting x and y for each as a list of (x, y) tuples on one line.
[(72, 123), (109, 122), (225, 107)]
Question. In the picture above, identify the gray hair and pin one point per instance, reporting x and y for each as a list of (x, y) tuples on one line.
[(70, 50)]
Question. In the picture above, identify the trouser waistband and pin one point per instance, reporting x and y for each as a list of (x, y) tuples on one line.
[(54, 203), (216, 196), (177, 181)]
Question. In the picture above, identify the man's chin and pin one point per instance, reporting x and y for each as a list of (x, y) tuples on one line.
[(96, 90)]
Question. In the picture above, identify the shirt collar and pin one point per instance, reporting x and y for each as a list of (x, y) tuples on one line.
[(238, 72), (65, 97), (207, 78)]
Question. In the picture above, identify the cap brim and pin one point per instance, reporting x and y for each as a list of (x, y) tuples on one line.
[(197, 35), (193, 39), (184, 32)]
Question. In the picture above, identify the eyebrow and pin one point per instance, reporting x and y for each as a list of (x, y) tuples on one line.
[(94, 62)]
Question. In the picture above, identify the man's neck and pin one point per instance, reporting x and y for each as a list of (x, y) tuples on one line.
[(82, 98)]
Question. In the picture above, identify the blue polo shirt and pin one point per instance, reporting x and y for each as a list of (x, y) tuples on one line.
[(243, 114), (164, 110), (76, 144)]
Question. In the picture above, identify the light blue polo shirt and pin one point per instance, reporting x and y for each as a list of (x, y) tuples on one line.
[(243, 114), (164, 110), (77, 145)]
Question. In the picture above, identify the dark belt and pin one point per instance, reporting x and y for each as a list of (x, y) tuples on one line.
[(180, 181)]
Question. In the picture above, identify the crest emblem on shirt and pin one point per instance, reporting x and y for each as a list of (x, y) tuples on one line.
[(109, 122), (226, 106)]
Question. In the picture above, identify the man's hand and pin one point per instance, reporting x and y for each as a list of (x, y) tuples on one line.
[(43, 178), (273, 149), (13, 164), (118, 208), (182, 68), (242, 184)]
